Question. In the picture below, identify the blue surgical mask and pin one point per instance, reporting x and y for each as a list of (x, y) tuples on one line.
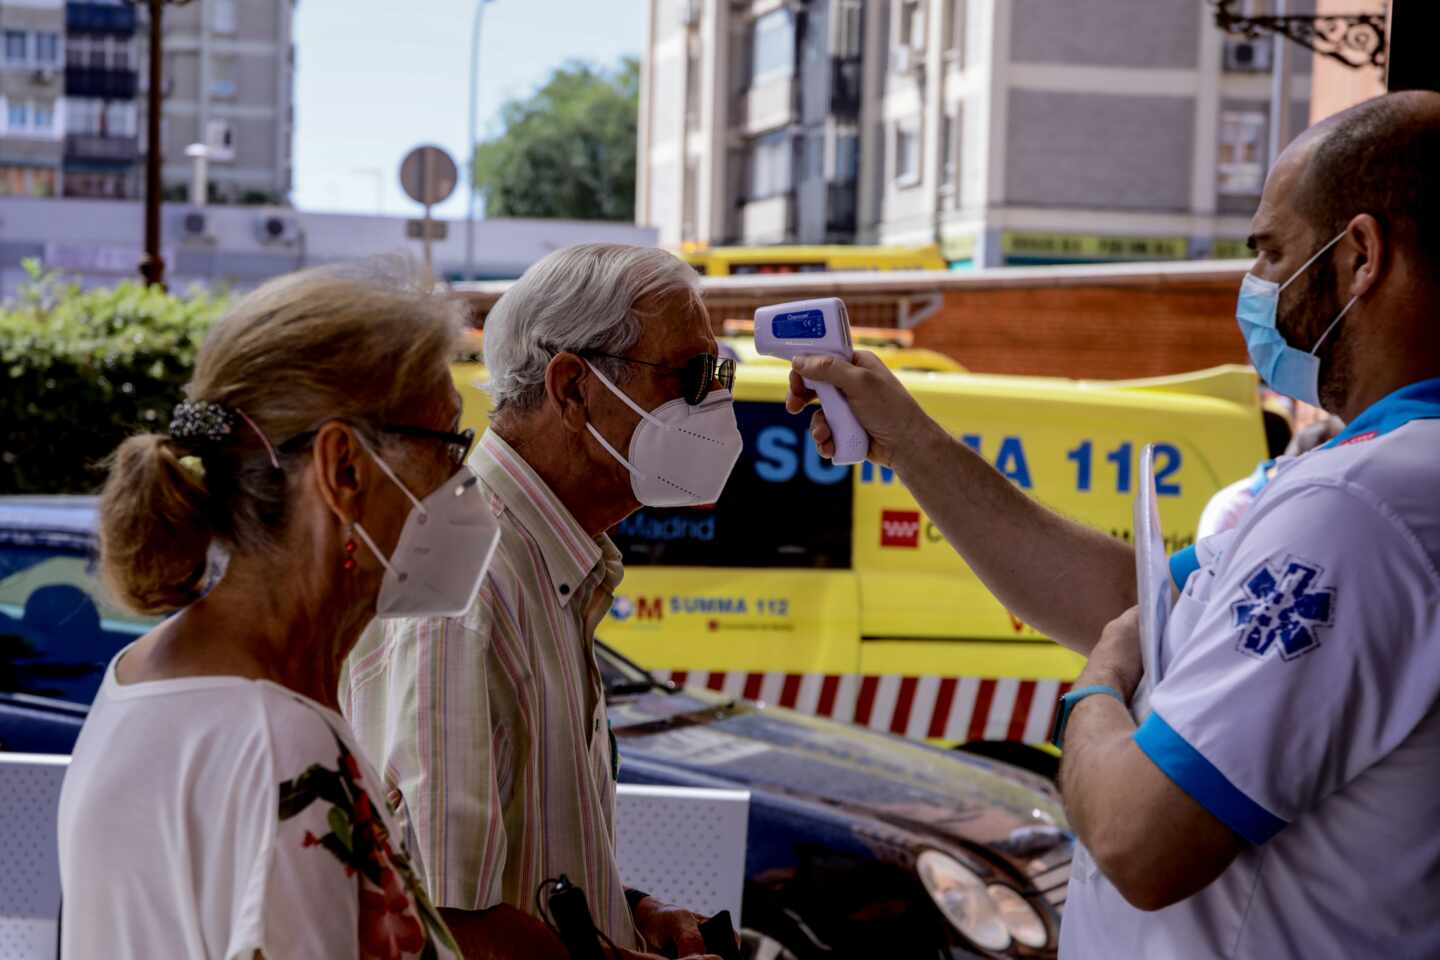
[(1295, 373)]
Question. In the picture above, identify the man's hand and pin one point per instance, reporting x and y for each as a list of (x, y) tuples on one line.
[(882, 405), (1116, 660), (669, 929)]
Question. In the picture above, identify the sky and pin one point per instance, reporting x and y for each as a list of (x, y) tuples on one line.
[(377, 77)]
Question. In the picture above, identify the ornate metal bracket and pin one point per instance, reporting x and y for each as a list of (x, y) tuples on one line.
[(1354, 39)]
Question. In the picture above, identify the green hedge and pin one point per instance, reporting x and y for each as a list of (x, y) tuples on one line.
[(86, 368)]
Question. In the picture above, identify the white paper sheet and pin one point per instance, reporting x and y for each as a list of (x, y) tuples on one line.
[(1152, 584)]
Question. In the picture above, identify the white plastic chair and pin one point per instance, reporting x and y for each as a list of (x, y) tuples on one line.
[(684, 845), (29, 855)]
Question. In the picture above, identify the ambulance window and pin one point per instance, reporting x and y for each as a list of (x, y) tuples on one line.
[(784, 506)]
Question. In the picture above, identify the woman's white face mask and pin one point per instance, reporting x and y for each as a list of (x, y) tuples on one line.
[(680, 456), (443, 552)]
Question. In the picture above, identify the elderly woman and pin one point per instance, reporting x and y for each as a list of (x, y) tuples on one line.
[(217, 805)]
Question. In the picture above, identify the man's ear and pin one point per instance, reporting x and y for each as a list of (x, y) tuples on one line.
[(1369, 252), (565, 382), (342, 469)]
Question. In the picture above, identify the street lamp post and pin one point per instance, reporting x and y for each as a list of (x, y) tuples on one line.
[(474, 103), (152, 265)]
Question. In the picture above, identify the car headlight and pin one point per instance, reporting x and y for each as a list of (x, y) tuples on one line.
[(1018, 916), (961, 896)]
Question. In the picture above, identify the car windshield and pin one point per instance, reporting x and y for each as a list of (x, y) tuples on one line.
[(57, 633), (620, 675)]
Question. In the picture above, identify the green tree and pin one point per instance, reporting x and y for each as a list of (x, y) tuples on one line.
[(568, 150)]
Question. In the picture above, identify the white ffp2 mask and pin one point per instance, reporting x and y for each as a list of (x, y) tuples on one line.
[(443, 552), (680, 456)]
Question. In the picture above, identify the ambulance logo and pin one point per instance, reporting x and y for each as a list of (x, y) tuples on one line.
[(1281, 609), (900, 528)]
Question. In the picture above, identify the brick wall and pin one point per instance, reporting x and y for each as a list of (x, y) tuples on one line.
[(1105, 332)]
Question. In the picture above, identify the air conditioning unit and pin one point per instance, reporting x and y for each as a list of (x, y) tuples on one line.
[(277, 229), (904, 60), (220, 140), (1248, 56), (195, 225), (43, 76)]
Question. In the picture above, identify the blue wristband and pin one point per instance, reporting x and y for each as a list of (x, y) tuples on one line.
[(1067, 703)]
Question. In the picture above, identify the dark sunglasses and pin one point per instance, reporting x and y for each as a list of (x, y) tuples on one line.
[(458, 444), (698, 376)]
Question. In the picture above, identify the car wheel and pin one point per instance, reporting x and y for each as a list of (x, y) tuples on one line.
[(755, 945)]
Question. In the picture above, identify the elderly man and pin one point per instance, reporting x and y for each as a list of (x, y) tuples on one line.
[(490, 727), (1280, 800)]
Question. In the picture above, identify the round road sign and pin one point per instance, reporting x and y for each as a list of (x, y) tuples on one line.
[(428, 175)]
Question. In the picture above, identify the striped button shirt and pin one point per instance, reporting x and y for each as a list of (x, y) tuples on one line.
[(490, 727)]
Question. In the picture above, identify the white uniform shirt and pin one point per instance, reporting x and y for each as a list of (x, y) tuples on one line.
[(213, 817), (1299, 706)]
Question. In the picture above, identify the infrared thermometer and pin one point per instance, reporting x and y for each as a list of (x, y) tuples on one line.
[(808, 327)]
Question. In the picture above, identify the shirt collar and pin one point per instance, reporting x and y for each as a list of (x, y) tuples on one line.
[(1417, 401), (571, 555)]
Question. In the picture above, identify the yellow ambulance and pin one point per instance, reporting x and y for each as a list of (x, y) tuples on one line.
[(825, 589)]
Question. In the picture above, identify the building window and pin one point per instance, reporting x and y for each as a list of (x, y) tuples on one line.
[(47, 49), (1241, 166), (847, 156), (907, 154), (848, 35), (98, 58), (771, 165), (910, 24), (223, 84), (27, 182), (949, 154), (17, 47), (955, 34), (44, 116), (19, 116), (224, 21), (120, 56), (773, 45)]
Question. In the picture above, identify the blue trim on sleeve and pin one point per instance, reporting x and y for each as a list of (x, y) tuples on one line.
[(1182, 564), (1198, 777)]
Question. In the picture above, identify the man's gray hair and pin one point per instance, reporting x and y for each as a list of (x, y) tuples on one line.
[(587, 298)]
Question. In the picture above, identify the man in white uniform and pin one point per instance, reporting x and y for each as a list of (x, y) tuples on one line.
[(1283, 797)]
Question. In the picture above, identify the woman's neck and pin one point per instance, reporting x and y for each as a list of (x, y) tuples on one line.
[(287, 626)]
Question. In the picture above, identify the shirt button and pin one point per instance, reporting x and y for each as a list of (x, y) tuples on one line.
[(564, 589)]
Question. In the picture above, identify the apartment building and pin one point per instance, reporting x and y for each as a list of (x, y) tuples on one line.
[(229, 83), (102, 114), (1005, 131), (74, 78), (32, 108)]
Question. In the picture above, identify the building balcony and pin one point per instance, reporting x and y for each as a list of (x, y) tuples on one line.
[(100, 18), (92, 147), (768, 220), (101, 83)]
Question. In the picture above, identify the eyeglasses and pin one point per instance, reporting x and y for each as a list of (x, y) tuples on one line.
[(697, 377), (458, 444)]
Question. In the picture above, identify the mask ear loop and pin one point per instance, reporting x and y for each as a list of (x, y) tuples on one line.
[(1306, 265), (625, 398), (360, 528), (1333, 324)]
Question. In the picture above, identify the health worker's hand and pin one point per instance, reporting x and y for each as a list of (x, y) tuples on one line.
[(1116, 660), (880, 402)]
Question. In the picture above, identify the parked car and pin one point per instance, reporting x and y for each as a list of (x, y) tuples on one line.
[(861, 844)]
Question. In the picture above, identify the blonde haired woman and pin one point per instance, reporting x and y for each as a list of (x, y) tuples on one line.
[(217, 804)]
